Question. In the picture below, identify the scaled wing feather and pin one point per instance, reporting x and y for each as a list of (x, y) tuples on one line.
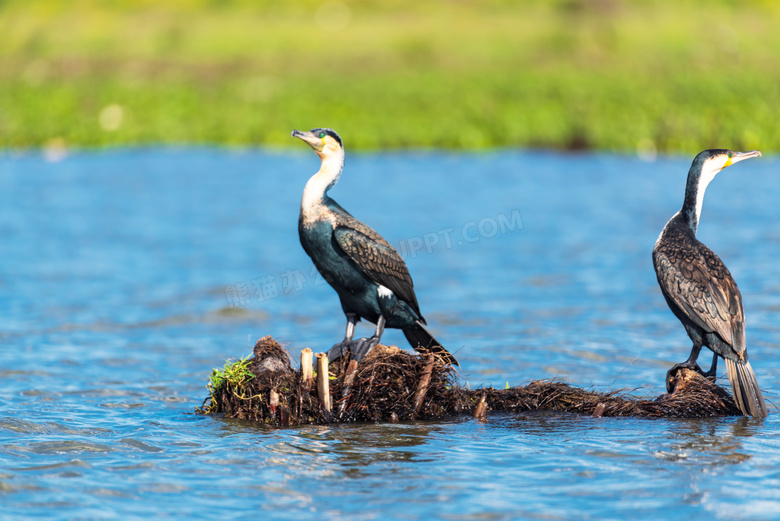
[(704, 289), (376, 259)]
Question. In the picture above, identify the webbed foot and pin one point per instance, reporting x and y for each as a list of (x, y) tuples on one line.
[(341, 349), (363, 346), (357, 349)]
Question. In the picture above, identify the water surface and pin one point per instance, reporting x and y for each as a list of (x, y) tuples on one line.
[(127, 275)]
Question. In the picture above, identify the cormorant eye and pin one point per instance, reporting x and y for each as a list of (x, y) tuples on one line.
[(729, 153), (322, 135)]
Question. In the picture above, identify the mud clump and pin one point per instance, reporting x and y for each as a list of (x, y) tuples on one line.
[(391, 385)]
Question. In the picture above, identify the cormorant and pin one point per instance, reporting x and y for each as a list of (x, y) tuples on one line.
[(700, 290), (369, 276)]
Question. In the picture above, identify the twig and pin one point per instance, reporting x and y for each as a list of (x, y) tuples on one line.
[(323, 384), (349, 378), (422, 387), (480, 411), (306, 363)]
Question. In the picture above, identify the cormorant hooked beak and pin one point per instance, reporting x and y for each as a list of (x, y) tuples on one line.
[(736, 157), (325, 142), (309, 138)]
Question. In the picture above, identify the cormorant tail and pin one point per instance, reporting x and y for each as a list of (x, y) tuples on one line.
[(422, 340), (747, 393)]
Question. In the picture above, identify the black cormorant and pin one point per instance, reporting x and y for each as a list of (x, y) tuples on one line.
[(700, 290), (369, 276)]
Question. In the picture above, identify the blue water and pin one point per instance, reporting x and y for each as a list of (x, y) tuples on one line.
[(127, 275)]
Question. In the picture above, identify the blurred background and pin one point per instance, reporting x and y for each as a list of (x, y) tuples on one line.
[(126, 243), (616, 75)]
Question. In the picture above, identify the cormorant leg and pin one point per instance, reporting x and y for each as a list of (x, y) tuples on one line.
[(688, 364), (380, 328), (340, 349), (712, 373), (364, 345), (351, 321)]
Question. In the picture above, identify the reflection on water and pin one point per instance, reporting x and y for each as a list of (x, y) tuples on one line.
[(710, 442), (116, 286)]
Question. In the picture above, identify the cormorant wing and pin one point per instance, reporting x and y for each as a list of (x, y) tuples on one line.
[(376, 259), (705, 291)]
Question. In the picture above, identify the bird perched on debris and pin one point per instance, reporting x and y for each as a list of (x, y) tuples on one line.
[(369, 276), (700, 290)]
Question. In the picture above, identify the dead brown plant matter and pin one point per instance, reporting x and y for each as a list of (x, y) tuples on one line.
[(391, 384)]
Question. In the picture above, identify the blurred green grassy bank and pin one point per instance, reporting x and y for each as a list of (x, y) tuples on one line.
[(605, 74)]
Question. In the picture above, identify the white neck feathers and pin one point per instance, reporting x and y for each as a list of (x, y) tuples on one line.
[(708, 173), (319, 184)]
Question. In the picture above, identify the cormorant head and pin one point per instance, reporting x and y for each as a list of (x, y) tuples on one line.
[(708, 163), (704, 168), (324, 141)]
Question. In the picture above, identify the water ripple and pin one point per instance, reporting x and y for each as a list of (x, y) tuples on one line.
[(120, 307)]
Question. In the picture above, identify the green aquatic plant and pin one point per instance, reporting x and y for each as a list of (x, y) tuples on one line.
[(233, 376), (235, 372)]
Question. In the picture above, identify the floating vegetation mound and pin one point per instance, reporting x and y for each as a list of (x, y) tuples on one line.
[(395, 385)]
